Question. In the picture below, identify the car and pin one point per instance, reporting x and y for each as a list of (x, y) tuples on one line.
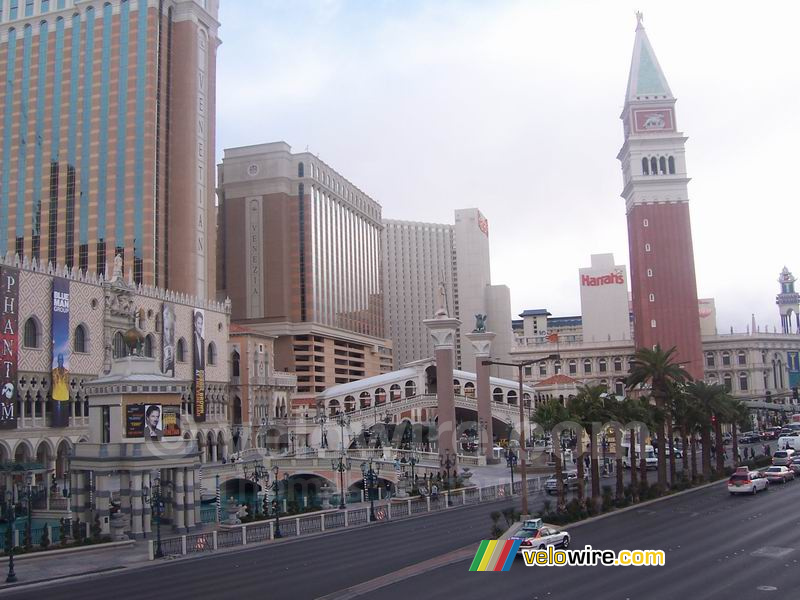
[(749, 438), (782, 458), (539, 539), (570, 481), (777, 473), (745, 481), (795, 465), (770, 434)]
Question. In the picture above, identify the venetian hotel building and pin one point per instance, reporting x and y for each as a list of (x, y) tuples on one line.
[(107, 136), (300, 258)]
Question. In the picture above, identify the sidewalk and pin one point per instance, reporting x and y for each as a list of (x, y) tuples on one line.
[(30, 570)]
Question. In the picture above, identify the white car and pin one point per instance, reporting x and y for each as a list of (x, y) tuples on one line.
[(744, 481), (782, 474), (539, 539)]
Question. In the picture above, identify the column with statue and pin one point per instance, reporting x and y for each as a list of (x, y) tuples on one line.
[(481, 341)]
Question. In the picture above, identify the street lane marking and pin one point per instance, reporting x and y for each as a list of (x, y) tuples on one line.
[(772, 552)]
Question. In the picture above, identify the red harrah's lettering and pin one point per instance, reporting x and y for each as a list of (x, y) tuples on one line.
[(612, 278)]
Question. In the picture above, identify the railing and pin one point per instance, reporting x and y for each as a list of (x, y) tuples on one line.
[(309, 524), (208, 514)]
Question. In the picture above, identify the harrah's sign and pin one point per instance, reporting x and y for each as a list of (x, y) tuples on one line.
[(613, 278)]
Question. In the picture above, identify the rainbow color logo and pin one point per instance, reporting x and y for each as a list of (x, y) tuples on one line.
[(495, 555)]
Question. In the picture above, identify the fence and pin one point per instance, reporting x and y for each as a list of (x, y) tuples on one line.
[(326, 521)]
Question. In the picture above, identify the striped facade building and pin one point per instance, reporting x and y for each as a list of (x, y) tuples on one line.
[(107, 136)]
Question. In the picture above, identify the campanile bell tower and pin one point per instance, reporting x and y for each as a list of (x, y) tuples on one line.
[(663, 283)]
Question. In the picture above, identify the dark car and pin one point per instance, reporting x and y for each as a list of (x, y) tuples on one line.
[(749, 438)]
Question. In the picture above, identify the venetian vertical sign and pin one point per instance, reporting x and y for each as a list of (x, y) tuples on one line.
[(9, 346), (200, 156), (199, 360), (59, 370)]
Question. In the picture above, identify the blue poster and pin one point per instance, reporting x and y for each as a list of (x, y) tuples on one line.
[(59, 391)]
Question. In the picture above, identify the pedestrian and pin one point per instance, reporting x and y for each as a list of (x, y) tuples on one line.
[(752, 453)]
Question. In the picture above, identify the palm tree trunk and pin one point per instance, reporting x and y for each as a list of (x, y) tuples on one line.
[(595, 469), (642, 458), (694, 457), (633, 465), (705, 438), (685, 451), (618, 453), (735, 447), (720, 447), (559, 480), (672, 472), (662, 458), (581, 486)]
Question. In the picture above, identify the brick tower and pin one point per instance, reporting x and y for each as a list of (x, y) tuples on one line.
[(663, 281)]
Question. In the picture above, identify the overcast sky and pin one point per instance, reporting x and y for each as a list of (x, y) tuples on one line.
[(513, 107)]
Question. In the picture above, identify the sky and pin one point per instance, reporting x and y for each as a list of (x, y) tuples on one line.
[(513, 107)]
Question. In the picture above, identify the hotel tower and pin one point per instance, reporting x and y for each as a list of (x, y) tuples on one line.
[(107, 136)]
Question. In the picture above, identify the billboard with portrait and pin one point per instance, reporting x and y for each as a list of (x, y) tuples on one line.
[(168, 340), (9, 345), (199, 362), (59, 369), (153, 427)]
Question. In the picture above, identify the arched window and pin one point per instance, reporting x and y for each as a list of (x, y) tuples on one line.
[(743, 382), (301, 170), (497, 395), (411, 389), (526, 397), (741, 357), (32, 337), (557, 367), (364, 400), (394, 393), (727, 382), (619, 387), (380, 396), (211, 354), (511, 397), (587, 365), (645, 167), (119, 346), (235, 358), (766, 380), (710, 362), (148, 346), (333, 407), (456, 387), (662, 163), (726, 359), (349, 403), (617, 364), (603, 365), (79, 341), (469, 389), (573, 367), (671, 164), (180, 350), (653, 166)]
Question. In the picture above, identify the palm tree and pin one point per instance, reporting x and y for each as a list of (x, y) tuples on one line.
[(740, 418), (682, 412), (629, 412), (617, 412), (706, 400), (660, 370), (548, 415), (588, 408)]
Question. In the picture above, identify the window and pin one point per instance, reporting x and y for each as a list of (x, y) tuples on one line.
[(28, 8), (148, 346), (645, 167), (671, 163), (411, 389), (31, 337), (647, 247), (542, 369), (652, 323), (741, 357), (12, 9), (603, 365), (645, 223), (45, 6), (211, 354), (727, 382), (619, 387), (573, 367), (649, 272), (726, 359), (79, 339), (710, 361), (497, 395), (587, 365), (512, 397), (743, 382), (456, 387), (654, 165), (380, 396), (662, 164), (180, 350), (652, 297), (301, 170), (618, 364), (235, 358), (528, 371), (469, 389)]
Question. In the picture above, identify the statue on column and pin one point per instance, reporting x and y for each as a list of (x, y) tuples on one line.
[(117, 273), (480, 323), (441, 309)]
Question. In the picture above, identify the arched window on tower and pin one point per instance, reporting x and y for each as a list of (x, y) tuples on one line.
[(662, 163), (653, 166), (645, 167), (671, 164), (301, 170)]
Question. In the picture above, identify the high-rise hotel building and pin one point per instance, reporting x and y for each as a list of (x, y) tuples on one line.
[(107, 136), (300, 257)]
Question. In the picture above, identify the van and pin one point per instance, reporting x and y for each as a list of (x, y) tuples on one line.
[(649, 456), (789, 441), (782, 458)]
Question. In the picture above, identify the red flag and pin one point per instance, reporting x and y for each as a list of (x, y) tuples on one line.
[(553, 338)]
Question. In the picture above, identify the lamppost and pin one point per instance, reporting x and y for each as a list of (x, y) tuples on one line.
[(511, 462), (322, 419), (370, 482), (413, 459), (258, 475), (10, 518), (291, 439), (447, 462), (522, 462), (29, 501), (276, 504), (341, 465), (156, 500), (342, 420)]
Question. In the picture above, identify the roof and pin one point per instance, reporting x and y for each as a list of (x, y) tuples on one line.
[(368, 382), (646, 80), (557, 379), (534, 312)]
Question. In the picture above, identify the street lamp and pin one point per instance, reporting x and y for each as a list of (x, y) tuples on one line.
[(291, 439), (511, 462), (258, 475), (342, 420), (370, 482), (156, 501), (413, 460), (522, 458), (10, 518), (276, 505), (341, 465), (447, 461)]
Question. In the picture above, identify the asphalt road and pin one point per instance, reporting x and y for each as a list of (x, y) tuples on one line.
[(709, 538)]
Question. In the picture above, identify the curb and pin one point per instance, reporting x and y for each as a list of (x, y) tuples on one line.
[(60, 551)]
